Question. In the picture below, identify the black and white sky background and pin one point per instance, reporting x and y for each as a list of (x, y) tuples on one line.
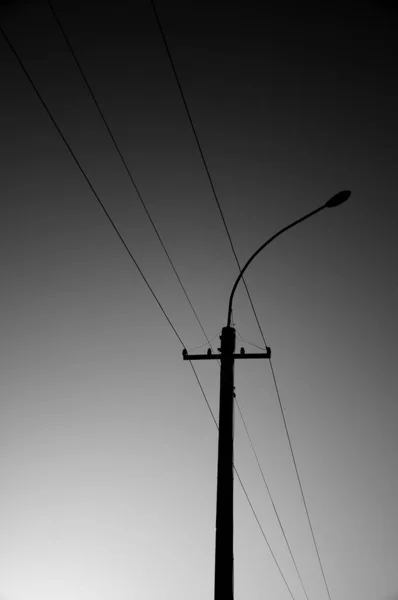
[(108, 451)]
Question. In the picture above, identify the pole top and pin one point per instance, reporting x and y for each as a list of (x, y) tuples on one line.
[(228, 339)]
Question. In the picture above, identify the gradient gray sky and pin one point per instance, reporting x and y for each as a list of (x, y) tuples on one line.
[(108, 451)]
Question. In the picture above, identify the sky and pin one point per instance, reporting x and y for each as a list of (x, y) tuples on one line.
[(108, 450)]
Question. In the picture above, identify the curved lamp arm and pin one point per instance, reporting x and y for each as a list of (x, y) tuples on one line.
[(335, 200)]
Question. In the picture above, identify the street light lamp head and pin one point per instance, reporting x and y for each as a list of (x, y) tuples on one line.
[(338, 198)]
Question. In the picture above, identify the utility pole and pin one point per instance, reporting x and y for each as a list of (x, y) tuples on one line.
[(224, 563), (224, 566)]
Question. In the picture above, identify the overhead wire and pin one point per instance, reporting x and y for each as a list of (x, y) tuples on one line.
[(73, 155), (272, 501), (126, 167), (188, 113), (263, 533), (299, 481), (201, 346), (104, 120), (108, 216), (248, 342), (199, 146), (43, 103)]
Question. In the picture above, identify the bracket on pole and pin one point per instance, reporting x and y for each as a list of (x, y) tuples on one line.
[(211, 356)]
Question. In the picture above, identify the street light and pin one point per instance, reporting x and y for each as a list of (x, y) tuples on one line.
[(223, 583), (335, 200)]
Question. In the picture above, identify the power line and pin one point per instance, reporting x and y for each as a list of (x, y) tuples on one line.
[(238, 263), (104, 120), (201, 346), (126, 167), (272, 501), (262, 531), (199, 146), (43, 103), (135, 262), (248, 342), (299, 480)]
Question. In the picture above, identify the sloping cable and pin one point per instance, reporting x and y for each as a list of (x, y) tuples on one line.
[(133, 259), (126, 167)]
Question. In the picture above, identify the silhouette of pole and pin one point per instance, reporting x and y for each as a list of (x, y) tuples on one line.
[(224, 560), (224, 564)]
